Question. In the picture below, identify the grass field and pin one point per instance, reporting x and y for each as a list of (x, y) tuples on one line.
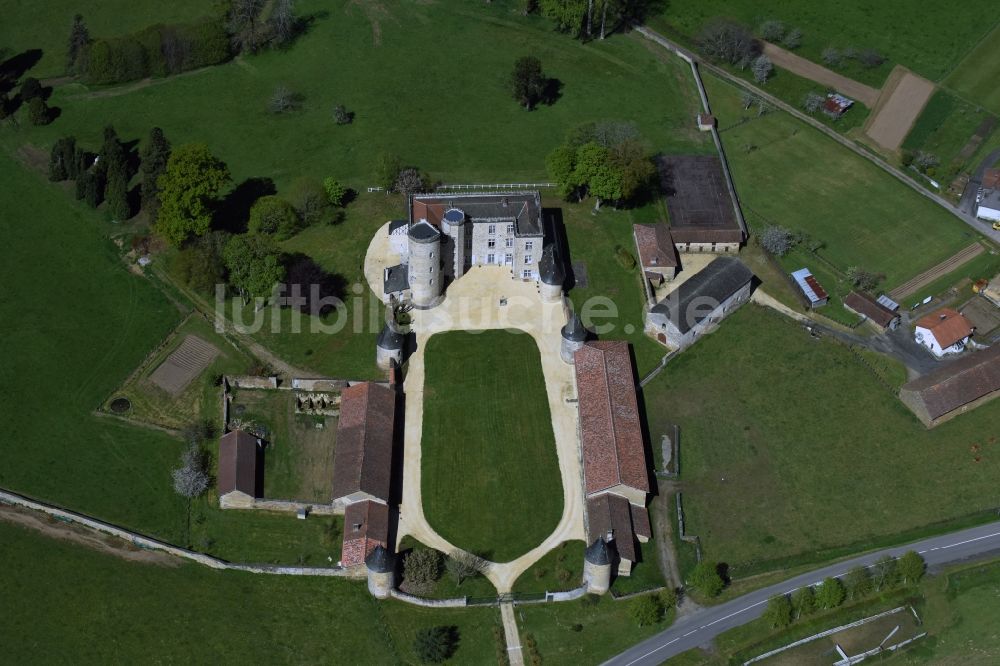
[(930, 41), (794, 456), (432, 94), (943, 128), (560, 569), (975, 77), (798, 178), (490, 475), (95, 608)]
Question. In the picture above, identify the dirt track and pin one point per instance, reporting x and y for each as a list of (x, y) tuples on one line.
[(810, 70), (899, 109), (950, 264), (66, 532)]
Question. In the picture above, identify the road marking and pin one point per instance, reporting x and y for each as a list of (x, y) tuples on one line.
[(961, 543), (693, 631)]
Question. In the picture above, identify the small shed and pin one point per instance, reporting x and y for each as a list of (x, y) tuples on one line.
[(872, 311), (815, 294), (706, 122), (836, 105)]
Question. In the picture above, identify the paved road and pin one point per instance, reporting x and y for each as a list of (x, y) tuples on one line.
[(701, 627)]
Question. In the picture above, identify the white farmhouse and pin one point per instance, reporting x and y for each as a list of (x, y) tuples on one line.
[(943, 332)]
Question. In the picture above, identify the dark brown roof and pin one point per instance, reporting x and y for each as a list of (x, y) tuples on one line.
[(640, 522), (656, 247), (699, 204), (240, 464), (947, 326), (957, 383), (363, 454), (706, 235), (366, 525), (612, 513), (867, 306), (991, 179), (610, 430)]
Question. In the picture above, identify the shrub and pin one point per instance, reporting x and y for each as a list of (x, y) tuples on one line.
[(706, 579), (342, 116), (30, 89), (871, 58), (116, 59), (793, 39), (309, 200), (39, 112), (422, 567), (387, 169), (812, 102), (624, 258), (336, 192), (777, 240), (830, 593), (762, 68), (435, 644), (274, 216), (772, 31), (831, 56), (779, 612), (284, 100), (646, 610)]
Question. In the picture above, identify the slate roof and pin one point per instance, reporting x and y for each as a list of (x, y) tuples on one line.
[(550, 268), (597, 552), (390, 338), (366, 526), (685, 306), (610, 429), (396, 279), (574, 329), (955, 384), (867, 306), (240, 464), (379, 560), (422, 232), (947, 326), (363, 455), (612, 513), (655, 245), (523, 209)]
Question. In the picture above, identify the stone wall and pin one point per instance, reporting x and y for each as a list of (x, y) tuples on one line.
[(428, 603)]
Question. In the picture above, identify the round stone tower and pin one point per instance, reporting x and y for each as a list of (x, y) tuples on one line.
[(426, 280), (453, 225), (551, 275), (389, 346), (573, 337), (380, 572), (596, 566)]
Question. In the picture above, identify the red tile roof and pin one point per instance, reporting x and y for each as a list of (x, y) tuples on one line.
[(947, 326), (612, 513), (240, 466), (610, 429), (955, 384), (656, 247), (363, 455), (867, 306), (366, 525)]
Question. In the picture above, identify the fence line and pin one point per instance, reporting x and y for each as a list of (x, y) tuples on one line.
[(496, 186)]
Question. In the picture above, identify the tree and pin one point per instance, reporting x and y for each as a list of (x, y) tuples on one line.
[(830, 593), (925, 160), (274, 216), (803, 602), (336, 192), (191, 479), (462, 565), (254, 264), (561, 166), (39, 112), (435, 644), (188, 186), (79, 39), (409, 181), (246, 30), (527, 81), (861, 278), (634, 166), (762, 68), (776, 240), (911, 567), (706, 579), (772, 30), (91, 186), (309, 200), (342, 116), (857, 582), (779, 611), (793, 39), (387, 169), (62, 159), (647, 610), (812, 102), (422, 567), (116, 194), (152, 165), (200, 265), (871, 58), (283, 22), (831, 56), (728, 41), (30, 89), (885, 573), (567, 14), (283, 100), (668, 598)]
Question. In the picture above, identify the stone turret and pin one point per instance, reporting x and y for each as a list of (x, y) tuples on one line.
[(389, 346), (454, 227), (426, 280), (380, 572), (597, 566), (573, 336), (551, 275)]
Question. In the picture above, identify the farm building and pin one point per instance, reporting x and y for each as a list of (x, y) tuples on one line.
[(815, 295), (615, 470), (706, 121), (943, 332), (700, 302), (872, 311), (362, 470), (988, 207), (241, 470), (702, 212), (955, 388), (657, 254), (836, 105)]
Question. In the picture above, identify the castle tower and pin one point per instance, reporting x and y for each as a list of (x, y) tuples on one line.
[(597, 566), (389, 346), (551, 275), (380, 572), (573, 337), (426, 280), (453, 225)]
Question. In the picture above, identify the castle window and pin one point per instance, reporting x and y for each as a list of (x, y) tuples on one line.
[(526, 273), (510, 242), (490, 258), (491, 243), (510, 228), (527, 258), (492, 229), (528, 245), (508, 259)]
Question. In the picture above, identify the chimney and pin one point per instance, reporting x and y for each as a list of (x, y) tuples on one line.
[(610, 536)]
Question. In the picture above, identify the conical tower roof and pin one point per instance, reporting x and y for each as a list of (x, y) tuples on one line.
[(379, 560), (574, 330), (550, 269), (390, 338), (598, 552)]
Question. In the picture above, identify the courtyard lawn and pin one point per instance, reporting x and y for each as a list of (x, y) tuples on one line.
[(975, 77), (78, 605), (419, 81), (798, 178), (793, 451), (490, 474), (930, 41), (560, 569)]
